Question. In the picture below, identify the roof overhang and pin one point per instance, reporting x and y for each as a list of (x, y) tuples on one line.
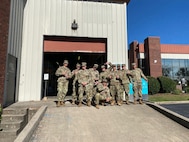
[(110, 1)]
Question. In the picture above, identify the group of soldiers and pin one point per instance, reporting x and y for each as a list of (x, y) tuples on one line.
[(108, 86)]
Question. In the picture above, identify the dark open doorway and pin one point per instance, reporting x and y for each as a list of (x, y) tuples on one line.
[(53, 60)]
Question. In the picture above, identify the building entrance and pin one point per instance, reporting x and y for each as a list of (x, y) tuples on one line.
[(82, 50)]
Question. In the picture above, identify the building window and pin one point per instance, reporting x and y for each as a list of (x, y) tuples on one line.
[(175, 68)]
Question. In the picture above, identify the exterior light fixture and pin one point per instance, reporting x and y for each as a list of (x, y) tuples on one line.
[(74, 25)]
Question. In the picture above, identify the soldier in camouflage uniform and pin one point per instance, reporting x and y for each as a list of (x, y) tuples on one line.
[(95, 78), (115, 89), (63, 73), (125, 78), (103, 73), (75, 83), (103, 93), (85, 84), (120, 84), (137, 74)]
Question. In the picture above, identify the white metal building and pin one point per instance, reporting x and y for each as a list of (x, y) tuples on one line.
[(47, 33)]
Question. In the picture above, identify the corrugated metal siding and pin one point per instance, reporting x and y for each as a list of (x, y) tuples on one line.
[(54, 17), (15, 33)]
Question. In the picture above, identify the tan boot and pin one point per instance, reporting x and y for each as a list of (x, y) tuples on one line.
[(58, 104), (135, 102), (119, 103), (112, 103), (127, 102), (89, 103), (61, 103), (140, 102), (80, 104), (73, 102), (97, 106)]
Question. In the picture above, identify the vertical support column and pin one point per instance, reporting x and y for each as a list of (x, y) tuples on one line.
[(152, 50), (4, 28), (133, 52)]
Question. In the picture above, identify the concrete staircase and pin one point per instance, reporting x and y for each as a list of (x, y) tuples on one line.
[(12, 123)]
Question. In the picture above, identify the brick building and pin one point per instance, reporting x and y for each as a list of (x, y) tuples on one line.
[(158, 59)]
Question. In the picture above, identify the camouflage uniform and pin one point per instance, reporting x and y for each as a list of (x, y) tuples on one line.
[(125, 82), (75, 83), (121, 92), (85, 84), (94, 77), (63, 74), (137, 82), (103, 74), (103, 93), (115, 89)]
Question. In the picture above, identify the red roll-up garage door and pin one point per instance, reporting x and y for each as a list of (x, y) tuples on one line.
[(66, 46)]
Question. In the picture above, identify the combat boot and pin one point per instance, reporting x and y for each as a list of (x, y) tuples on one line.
[(97, 106), (127, 102), (135, 102), (73, 102), (119, 103), (140, 101), (80, 104), (58, 104), (89, 103), (61, 103), (112, 103)]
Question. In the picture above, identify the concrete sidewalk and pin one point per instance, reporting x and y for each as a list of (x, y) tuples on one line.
[(131, 123)]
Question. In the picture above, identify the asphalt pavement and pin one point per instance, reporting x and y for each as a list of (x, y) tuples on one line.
[(181, 108)]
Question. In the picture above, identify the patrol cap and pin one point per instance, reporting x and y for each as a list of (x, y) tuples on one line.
[(78, 65), (95, 66), (65, 62), (113, 65), (103, 66), (118, 65), (123, 65), (83, 64), (105, 80), (133, 64)]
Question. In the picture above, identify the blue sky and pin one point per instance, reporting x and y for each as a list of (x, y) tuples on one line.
[(167, 19)]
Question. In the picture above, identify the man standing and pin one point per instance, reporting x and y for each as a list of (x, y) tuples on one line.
[(75, 83), (85, 84), (63, 73), (95, 78), (121, 90), (103, 73), (115, 89), (137, 75), (103, 93), (125, 82)]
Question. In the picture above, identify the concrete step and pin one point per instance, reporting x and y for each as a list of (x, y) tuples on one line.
[(11, 132), (15, 111), (7, 139), (11, 118), (13, 125)]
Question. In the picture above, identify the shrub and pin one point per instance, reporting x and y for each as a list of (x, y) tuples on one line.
[(186, 89), (167, 85), (153, 85), (177, 92)]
